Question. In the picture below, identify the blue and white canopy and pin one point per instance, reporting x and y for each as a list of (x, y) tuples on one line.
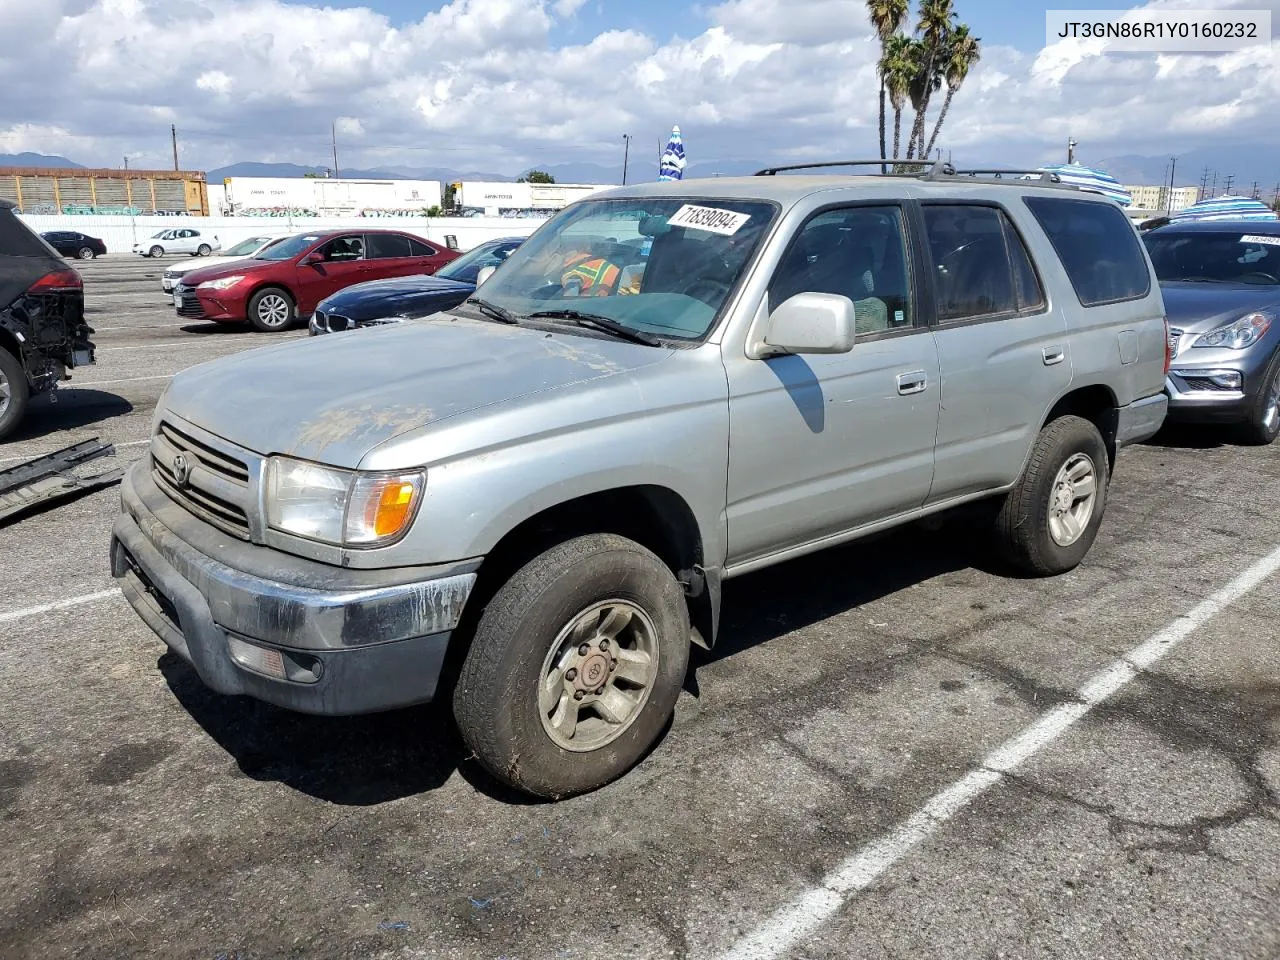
[(1090, 178), (671, 167), (1227, 208)]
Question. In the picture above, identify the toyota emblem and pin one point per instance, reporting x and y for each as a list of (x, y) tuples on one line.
[(181, 470)]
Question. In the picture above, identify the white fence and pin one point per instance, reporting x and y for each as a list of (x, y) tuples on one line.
[(120, 233)]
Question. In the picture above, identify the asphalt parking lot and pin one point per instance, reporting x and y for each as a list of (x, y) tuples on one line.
[(895, 751)]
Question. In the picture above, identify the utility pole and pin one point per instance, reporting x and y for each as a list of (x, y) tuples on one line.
[(1072, 143), (1204, 182), (333, 133), (1213, 191), (173, 135), (1173, 171), (1226, 190), (626, 155), (126, 161), (1255, 190)]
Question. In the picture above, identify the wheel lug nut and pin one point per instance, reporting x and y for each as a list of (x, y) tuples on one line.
[(570, 674), (599, 691), (584, 650), (613, 664), (604, 644), (577, 695)]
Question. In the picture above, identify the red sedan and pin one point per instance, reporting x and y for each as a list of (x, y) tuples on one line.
[(286, 280)]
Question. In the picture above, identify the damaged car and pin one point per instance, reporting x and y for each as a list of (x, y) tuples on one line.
[(43, 333)]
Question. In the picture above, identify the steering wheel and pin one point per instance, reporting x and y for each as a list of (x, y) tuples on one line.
[(715, 291), (1261, 273)]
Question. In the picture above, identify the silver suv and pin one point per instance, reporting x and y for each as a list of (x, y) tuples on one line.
[(531, 502)]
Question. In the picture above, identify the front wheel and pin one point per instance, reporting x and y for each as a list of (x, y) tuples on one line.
[(156, 252), (575, 667), (271, 310), (1049, 520), (85, 253), (1263, 424), (14, 393)]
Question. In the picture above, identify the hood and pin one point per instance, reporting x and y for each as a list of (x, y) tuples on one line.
[(1198, 307), (333, 399), (204, 263), (198, 275), (397, 296)]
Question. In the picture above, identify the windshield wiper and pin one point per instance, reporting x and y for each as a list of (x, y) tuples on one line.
[(493, 311), (600, 323)]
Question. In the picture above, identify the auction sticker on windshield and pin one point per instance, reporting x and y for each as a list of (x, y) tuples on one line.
[(1260, 238), (710, 219)]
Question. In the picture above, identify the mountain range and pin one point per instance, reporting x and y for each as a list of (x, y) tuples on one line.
[(1245, 163)]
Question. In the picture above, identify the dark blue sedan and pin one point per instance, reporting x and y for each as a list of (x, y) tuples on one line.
[(1221, 285), (381, 302)]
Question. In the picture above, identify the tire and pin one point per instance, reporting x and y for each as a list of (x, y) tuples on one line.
[(204, 250), (509, 692), (15, 392), (1263, 424), (85, 253), (1067, 451), (156, 252), (271, 310)]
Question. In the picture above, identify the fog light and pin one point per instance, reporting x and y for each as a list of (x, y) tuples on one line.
[(262, 660), (1212, 378)]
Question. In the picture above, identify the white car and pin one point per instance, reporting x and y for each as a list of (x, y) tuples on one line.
[(179, 240), (240, 251)]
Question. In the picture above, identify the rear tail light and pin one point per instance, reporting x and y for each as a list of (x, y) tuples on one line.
[(57, 281), (1168, 347)]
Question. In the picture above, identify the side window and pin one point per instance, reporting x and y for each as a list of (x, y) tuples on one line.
[(972, 273), (421, 249), (343, 249), (384, 246), (1098, 248), (1026, 283), (856, 252)]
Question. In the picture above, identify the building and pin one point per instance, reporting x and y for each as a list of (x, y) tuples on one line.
[(1158, 198), (74, 190)]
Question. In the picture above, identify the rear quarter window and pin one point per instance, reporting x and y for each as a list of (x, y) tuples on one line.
[(16, 240), (1098, 247)]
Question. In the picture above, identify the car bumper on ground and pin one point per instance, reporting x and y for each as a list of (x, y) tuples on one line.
[(1141, 420), (311, 637)]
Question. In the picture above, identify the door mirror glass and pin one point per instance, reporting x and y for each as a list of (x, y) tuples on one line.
[(484, 274), (811, 323)]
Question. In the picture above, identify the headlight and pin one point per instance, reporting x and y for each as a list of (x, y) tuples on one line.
[(222, 283), (340, 507), (1238, 334)]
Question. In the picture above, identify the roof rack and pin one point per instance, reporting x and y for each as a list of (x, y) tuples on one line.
[(935, 166), (999, 173)]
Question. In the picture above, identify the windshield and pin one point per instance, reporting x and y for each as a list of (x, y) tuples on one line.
[(661, 266), (1234, 257), (245, 247), (468, 266), (289, 247), (160, 236)]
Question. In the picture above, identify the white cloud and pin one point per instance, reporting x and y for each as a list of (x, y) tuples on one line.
[(480, 84)]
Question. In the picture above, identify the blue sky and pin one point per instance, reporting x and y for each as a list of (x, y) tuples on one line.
[(1014, 23)]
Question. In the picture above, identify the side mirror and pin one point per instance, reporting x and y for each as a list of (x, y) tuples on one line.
[(484, 274), (311, 258), (811, 323)]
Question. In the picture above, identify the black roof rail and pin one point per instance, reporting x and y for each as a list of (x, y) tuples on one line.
[(999, 173), (934, 166)]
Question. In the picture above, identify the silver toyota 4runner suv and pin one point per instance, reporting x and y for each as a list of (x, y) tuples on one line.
[(530, 503)]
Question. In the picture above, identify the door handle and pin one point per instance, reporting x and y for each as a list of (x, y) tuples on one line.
[(1053, 355), (913, 382)]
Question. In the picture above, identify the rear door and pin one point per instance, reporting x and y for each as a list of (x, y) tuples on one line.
[(1002, 345), (429, 258), (342, 264), (389, 255)]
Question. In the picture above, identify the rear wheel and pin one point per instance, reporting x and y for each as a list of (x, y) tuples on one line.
[(271, 309), (204, 250), (575, 667), (1263, 424), (156, 252), (14, 393), (85, 253), (1049, 520)]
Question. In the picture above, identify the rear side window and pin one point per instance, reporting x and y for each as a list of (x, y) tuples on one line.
[(972, 273), (16, 240), (420, 249), (384, 246), (1098, 248)]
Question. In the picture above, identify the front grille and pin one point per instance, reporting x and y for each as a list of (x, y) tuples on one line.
[(1175, 339), (217, 483), (333, 322), (188, 303)]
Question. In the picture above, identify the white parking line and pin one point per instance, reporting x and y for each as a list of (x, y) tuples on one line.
[(797, 920), (13, 615)]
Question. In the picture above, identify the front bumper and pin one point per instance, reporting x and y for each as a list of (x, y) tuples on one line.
[(168, 283), (346, 641), (1141, 420)]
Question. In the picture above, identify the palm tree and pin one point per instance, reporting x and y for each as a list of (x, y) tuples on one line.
[(924, 81), (887, 17), (898, 70), (934, 27), (962, 53)]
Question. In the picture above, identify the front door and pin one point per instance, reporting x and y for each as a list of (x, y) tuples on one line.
[(1002, 346), (821, 444), (342, 264)]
